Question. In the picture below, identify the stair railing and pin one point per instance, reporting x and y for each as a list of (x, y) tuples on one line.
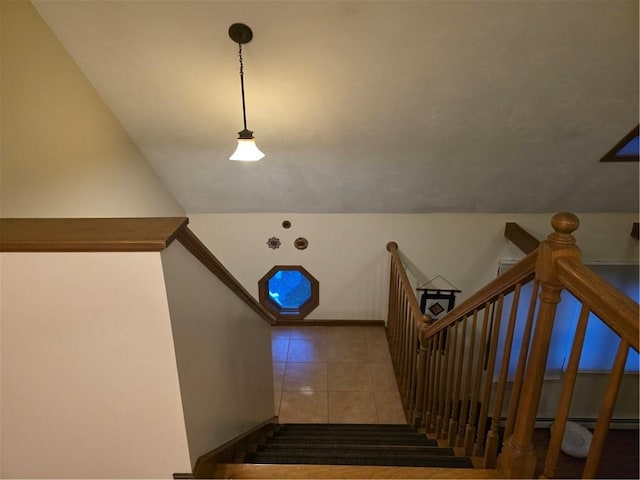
[(404, 323), (460, 387)]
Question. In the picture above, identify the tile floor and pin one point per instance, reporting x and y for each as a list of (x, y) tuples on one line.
[(334, 375)]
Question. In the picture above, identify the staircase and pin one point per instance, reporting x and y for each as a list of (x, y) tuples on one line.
[(349, 451)]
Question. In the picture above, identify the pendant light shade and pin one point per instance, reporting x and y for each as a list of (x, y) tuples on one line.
[(247, 150)]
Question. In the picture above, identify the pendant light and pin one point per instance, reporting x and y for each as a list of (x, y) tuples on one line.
[(247, 150)]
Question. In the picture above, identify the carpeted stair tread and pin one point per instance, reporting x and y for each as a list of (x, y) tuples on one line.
[(354, 459), (295, 449), (367, 440), (348, 427), (353, 444)]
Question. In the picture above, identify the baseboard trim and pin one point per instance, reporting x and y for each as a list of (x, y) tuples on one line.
[(225, 453), (329, 323), (615, 424)]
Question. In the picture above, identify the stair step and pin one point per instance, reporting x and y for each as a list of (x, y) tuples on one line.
[(418, 440), (356, 459), (348, 427), (253, 471), (372, 449)]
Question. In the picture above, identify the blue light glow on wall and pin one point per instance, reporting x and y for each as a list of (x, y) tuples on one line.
[(289, 288), (600, 344)]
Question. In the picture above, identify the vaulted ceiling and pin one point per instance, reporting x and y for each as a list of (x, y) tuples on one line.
[(371, 106)]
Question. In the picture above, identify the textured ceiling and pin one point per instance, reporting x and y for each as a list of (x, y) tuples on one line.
[(371, 106)]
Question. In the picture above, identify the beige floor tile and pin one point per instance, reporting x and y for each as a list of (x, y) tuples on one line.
[(376, 334), (389, 407), (352, 407), (307, 377), (346, 333), (279, 349), (349, 377), (278, 375), (277, 396), (383, 377), (304, 407), (348, 351), (307, 350), (309, 333), (280, 332), (378, 351)]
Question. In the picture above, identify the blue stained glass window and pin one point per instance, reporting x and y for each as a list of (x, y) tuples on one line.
[(289, 288), (631, 148)]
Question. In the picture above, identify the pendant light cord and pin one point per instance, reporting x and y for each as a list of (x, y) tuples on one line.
[(244, 113)]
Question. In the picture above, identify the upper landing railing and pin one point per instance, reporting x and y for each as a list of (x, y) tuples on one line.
[(457, 385)]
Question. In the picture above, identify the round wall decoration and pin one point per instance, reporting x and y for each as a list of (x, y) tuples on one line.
[(301, 243), (286, 224), (273, 243)]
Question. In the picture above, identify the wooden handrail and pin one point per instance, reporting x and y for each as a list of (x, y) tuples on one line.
[(521, 272), (392, 248), (149, 234), (618, 311), (192, 243)]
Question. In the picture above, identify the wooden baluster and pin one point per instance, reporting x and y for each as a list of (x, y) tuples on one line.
[(478, 447), (491, 449), (443, 381), (464, 410), (393, 316), (522, 360), (470, 432), (421, 378), (518, 458), (453, 422), (606, 411), (403, 349), (413, 348), (408, 327), (568, 384), (437, 378), (434, 352), (450, 379), (425, 393)]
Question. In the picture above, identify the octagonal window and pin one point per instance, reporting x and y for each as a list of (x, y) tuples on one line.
[(289, 292)]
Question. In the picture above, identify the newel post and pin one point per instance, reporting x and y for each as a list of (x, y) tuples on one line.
[(518, 459)]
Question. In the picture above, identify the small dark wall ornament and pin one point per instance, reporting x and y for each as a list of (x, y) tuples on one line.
[(301, 243), (286, 224), (436, 289), (273, 243)]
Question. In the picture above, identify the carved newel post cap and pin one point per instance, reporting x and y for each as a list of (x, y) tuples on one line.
[(392, 246), (564, 224)]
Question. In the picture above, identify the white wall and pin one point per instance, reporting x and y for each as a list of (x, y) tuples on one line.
[(223, 350), (88, 373), (347, 252), (64, 154)]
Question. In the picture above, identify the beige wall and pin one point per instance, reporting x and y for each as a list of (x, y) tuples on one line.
[(347, 252), (223, 350), (64, 154), (88, 373)]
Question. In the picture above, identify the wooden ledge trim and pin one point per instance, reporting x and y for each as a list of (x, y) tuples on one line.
[(149, 234), (520, 237)]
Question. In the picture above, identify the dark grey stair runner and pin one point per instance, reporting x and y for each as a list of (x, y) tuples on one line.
[(353, 444)]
